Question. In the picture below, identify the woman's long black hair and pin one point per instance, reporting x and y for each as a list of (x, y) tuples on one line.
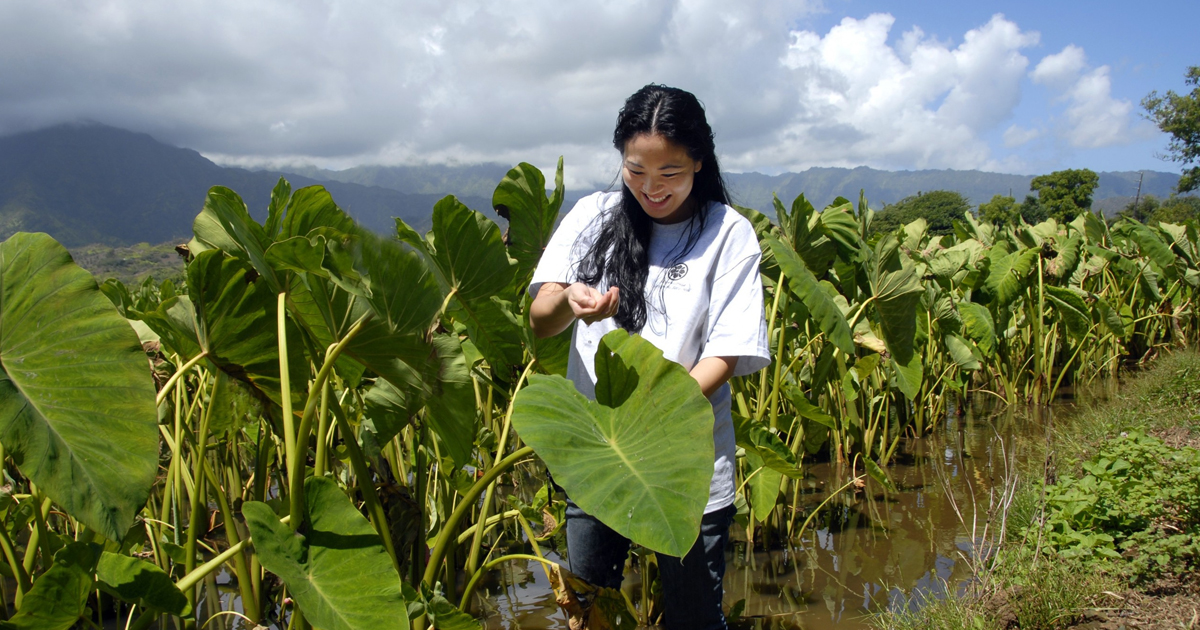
[(620, 254)]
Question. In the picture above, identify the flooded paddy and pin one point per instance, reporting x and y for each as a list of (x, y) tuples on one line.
[(864, 552)]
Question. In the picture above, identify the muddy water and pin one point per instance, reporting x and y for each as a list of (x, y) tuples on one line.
[(864, 552)]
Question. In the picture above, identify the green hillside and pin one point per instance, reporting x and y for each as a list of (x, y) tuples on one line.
[(91, 183)]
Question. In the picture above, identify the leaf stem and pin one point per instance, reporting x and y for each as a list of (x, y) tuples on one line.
[(462, 604), (477, 544), (465, 504), (297, 461), (162, 395)]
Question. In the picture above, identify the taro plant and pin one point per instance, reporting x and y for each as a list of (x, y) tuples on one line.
[(351, 428)]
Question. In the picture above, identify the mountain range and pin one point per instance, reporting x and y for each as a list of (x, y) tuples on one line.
[(90, 183)]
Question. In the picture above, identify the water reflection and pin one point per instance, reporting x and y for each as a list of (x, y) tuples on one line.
[(864, 552)]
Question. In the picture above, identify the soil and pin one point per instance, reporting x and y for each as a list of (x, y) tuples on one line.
[(1133, 609)]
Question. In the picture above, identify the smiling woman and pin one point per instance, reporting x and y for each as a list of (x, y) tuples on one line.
[(660, 173), (680, 267)]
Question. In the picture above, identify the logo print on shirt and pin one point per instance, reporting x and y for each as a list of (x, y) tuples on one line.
[(677, 272)]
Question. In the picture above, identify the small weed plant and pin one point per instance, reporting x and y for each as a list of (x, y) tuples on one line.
[(1137, 499)]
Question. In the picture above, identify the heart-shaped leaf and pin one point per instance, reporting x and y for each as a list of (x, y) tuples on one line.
[(76, 398), (139, 582), (639, 457), (805, 286), (337, 571), (58, 597), (470, 251), (520, 198)]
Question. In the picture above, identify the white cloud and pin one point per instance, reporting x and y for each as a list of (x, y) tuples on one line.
[(1092, 118), (922, 103), (338, 83), (1016, 136)]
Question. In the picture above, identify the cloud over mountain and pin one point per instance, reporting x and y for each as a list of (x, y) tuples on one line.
[(340, 83)]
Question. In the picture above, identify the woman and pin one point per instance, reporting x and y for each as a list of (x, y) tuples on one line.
[(680, 267)]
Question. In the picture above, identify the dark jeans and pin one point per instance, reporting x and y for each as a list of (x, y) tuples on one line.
[(691, 587)]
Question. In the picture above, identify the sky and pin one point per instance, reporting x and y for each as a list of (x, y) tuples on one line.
[(1017, 87)]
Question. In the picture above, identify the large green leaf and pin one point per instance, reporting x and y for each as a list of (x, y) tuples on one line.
[(1068, 257), (234, 404), (58, 597), (395, 296), (451, 402), (908, 375), (77, 409), (520, 198), (312, 207), (470, 251), (897, 291), (640, 456), (773, 451), (388, 410), (1151, 245), (337, 569), (139, 582), (494, 329), (237, 324), (946, 263), (279, 199), (1109, 316), (226, 224), (806, 236), (175, 324), (764, 485), (805, 286), (1008, 272), (841, 227), (978, 325), (806, 409), (1073, 311), (960, 353)]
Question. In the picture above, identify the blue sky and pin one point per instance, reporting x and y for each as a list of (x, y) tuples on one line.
[(1023, 87), (1147, 45)]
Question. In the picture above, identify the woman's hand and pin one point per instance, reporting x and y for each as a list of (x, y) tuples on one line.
[(558, 304), (590, 305)]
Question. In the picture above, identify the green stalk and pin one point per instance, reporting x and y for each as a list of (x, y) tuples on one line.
[(193, 530), (363, 476), (171, 490), (296, 459), (249, 597), (488, 526), (762, 377), (285, 389), (421, 481), (322, 434), (41, 535), (776, 380), (170, 385), (493, 564), (465, 504), (18, 569), (194, 576), (1067, 365), (477, 544)]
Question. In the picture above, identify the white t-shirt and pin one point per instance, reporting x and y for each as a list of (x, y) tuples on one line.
[(705, 304)]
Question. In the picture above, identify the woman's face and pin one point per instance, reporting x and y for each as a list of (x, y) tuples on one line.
[(660, 173)]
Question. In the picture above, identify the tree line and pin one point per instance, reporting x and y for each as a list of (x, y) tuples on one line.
[(1064, 195)]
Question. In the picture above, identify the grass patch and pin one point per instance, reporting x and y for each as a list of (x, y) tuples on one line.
[(132, 264), (1108, 505)]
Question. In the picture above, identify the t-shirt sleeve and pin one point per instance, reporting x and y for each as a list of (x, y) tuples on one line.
[(737, 324), (560, 257)]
